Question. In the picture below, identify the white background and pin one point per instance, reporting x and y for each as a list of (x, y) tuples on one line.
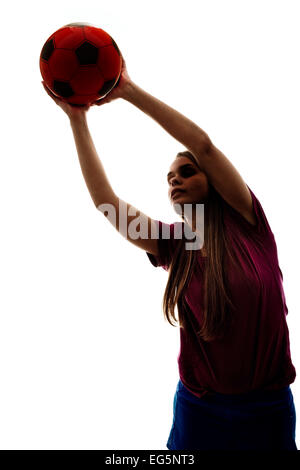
[(87, 359)]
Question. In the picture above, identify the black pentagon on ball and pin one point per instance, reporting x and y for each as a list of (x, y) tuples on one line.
[(63, 89), (47, 50), (87, 54), (106, 87)]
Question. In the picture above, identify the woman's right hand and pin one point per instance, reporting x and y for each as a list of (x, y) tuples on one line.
[(118, 90), (73, 112)]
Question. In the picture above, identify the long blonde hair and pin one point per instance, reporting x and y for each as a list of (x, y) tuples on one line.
[(216, 317)]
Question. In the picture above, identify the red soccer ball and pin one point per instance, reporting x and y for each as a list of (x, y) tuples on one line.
[(80, 63)]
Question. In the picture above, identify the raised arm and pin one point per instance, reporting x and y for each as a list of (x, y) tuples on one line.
[(176, 124), (220, 172), (92, 169), (118, 212)]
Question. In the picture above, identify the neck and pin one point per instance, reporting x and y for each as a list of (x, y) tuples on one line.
[(195, 219)]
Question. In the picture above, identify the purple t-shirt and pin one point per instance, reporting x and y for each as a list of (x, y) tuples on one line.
[(255, 353)]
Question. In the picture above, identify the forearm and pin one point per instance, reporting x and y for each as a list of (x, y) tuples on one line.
[(91, 166), (178, 126)]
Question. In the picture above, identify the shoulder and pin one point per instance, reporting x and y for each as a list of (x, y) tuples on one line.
[(255, 221)]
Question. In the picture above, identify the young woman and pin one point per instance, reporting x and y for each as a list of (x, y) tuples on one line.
[(234, 363)]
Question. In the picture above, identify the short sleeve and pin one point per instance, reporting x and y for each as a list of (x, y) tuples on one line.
[(168, 237), (261, 227)]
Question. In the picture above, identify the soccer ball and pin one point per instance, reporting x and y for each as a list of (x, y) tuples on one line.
[(80, 63)]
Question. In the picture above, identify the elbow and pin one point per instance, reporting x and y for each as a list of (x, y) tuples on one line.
[(108, 201), (202, 148)]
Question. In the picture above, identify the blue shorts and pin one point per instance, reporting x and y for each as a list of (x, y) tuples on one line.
[(260, 420)]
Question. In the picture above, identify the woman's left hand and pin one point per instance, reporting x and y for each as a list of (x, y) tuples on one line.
[(119, 90)]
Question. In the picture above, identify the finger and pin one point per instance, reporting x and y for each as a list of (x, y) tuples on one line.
[(100, 102), (58, 100), (46, 88), (49, 92), (86, 107)]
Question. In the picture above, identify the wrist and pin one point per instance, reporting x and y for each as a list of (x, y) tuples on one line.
[(79, 118), (129, 91)]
